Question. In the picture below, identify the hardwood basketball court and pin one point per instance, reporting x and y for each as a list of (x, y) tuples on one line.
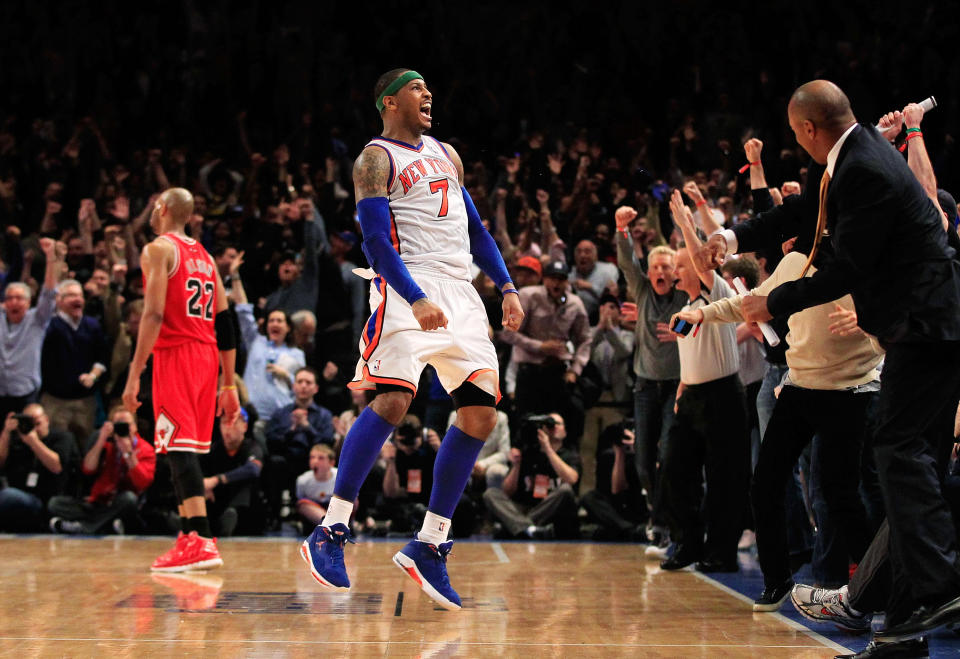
[(95, 597)]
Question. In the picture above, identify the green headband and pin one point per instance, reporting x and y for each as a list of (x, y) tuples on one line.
[(395, 86)]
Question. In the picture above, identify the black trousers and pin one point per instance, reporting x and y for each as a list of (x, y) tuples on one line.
[(839, 418), (913, 558), (708, 435)]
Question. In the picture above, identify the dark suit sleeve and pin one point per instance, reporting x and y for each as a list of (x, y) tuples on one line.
[(861, 229)]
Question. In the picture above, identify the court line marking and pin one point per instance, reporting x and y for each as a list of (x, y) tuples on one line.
[(498, 550), (793, 624), (393, 642)]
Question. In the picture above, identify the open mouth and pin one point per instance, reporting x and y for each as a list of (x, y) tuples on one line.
[(425, 110)]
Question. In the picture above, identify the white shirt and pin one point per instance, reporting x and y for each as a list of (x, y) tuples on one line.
[(832, 156), (308, 487)]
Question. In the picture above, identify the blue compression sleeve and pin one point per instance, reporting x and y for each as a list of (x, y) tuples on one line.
[(482, 245), (374, 216)]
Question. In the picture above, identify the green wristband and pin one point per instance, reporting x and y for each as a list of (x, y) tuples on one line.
[(395, 86), (913, 130)]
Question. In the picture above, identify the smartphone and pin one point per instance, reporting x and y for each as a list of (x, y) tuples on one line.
[(681, 327)]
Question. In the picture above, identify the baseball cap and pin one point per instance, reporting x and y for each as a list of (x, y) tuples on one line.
[(531, 263), (348, 237), (556, 269)]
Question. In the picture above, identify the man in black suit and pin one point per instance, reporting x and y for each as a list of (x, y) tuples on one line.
[(891, 254)]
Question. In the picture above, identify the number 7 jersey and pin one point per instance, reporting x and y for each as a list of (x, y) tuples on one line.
[(191, 296), (428, 217)]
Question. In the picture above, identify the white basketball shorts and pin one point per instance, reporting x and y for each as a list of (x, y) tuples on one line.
[(394, 350)]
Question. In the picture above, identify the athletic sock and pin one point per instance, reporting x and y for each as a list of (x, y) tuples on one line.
[(338, 512), (361, 447), (185, 524), (451, 471), (201, 525), (435, 529)]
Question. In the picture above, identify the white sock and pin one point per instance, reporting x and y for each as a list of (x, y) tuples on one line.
[(338, 512), (435, 529)]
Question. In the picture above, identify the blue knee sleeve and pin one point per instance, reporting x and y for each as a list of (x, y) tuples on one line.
[(451, 471), (360, 449)]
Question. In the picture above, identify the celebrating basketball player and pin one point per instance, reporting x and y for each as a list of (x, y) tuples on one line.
[(185, 322), (420, 229)]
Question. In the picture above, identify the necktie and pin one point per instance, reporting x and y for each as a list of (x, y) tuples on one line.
[(821, 222)]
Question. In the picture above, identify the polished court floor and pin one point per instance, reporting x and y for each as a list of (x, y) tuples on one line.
[(85, 597)]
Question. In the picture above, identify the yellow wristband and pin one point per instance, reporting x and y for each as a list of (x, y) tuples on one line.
[(228, 387)]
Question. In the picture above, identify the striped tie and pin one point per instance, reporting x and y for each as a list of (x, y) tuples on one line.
[(821, 222)]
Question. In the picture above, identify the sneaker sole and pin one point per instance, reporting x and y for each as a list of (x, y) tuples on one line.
[(305, 555), (199, 565), (409, 567), (829, 619)]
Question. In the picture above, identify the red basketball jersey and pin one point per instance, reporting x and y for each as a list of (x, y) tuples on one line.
[(191, 296)]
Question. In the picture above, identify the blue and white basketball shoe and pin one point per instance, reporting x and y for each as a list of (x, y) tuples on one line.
[(323, 552), (426, 564)]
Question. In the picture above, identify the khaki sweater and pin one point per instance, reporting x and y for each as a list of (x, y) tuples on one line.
[(817, 359)]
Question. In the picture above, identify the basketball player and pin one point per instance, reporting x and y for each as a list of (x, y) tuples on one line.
[(420, 229), (185, 322)]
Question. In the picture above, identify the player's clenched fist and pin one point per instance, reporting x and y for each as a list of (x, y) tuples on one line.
[(429, 315), (512, 312)]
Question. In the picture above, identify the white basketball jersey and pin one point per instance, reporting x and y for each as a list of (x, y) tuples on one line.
[(428, 215)]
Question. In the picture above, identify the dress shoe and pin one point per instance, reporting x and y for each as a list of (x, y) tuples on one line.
[(683, 557), (924, 619), (714, 565), (916, 648)]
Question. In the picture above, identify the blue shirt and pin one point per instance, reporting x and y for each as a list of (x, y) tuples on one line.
[(267, 393), (21, 345), (296, 443)]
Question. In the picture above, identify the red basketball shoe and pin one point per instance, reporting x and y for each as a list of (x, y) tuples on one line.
[(190, 552)]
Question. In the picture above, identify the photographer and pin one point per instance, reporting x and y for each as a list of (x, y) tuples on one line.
[(35, 464), (124, 464), (615, 504), (408, 479), (537, 499)]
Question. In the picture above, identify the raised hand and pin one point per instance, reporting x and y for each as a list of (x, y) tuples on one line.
[(752, 149), (711, 254), (890, 124), (692, 190), (235, 264), (624, 216), (555, 162), (912, 115), (429, 315)]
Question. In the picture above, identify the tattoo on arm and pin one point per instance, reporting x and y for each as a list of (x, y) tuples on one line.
[(371, 173)]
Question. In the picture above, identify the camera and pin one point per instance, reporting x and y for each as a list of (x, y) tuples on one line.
[(25, 423), (527, 438), (121, 429), (407, 433)]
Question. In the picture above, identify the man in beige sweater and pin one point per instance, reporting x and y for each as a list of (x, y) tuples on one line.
[(832, 375)]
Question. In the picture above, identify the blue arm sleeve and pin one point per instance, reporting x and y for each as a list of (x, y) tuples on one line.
[(482, 245), (374, 216)]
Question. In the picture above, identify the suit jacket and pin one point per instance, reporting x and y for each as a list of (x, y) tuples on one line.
[(889, 249)]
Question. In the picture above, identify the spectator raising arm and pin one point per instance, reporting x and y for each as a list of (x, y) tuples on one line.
[(684, 220), (708, 222)]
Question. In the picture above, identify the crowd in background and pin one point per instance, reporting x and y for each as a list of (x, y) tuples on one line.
[(263, 130)]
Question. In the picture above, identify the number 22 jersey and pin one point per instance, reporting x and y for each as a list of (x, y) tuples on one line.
[(191, 296)]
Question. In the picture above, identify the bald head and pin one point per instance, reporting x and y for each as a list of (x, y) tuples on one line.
[(179, 203), (823, 104)]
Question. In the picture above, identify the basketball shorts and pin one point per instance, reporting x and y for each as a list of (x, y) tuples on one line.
[(185, 381), (394, 350)]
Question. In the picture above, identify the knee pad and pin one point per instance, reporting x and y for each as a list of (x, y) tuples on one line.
[(185, 469), (469, 394)]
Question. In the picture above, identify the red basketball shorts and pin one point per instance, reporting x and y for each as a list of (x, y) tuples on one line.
[(185, 396)]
